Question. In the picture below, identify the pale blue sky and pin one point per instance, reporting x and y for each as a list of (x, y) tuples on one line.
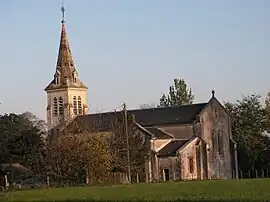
[(131, 50)]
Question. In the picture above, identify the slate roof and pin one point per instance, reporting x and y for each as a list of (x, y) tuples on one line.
[(184, 114), (171, 147), (159, 133)]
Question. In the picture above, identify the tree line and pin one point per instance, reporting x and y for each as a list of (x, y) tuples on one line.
[(70, 157)]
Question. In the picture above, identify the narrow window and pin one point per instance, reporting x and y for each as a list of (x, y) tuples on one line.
[(75, 105), (214, 142), (220, 143), (79, 105), (191, 164), (74, 75), (61, 109), (57, 80), (215, 112), (55, 107)]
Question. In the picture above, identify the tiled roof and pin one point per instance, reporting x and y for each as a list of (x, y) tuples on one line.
[(184, 114), (171, 147)]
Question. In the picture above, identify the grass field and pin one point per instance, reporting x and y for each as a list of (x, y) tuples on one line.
[(231, 190)]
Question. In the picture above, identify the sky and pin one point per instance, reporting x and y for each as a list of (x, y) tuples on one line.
[(130, 51)]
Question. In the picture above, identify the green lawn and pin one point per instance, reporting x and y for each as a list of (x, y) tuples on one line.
[(231, 190)]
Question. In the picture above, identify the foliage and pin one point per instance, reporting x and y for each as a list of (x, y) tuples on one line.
[(20, 140), (209, 190), (248, 124), (179, 94), (69, 157), (138, 145), (267, 110), (34, 121)]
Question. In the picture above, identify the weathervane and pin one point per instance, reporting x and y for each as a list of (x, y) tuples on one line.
[(63, 13)]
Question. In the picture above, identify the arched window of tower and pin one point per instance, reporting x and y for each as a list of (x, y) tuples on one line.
[(61, 109), (79, 105), (75, 110), (55, 107)]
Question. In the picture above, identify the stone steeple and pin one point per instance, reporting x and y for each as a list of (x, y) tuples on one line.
[(66, 74), (66, 94)]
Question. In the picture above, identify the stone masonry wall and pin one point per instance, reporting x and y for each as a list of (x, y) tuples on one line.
[(216, 134)]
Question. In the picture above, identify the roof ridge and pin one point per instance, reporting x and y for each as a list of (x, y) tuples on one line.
[(153, 108), (178, 106)]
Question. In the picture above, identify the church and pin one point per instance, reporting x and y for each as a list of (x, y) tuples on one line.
[(189, 142)]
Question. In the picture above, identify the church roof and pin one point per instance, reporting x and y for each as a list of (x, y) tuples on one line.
[(184, 114), (65, 67), (159, 133), (171, 147)]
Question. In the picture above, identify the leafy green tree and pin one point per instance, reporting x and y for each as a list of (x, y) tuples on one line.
[(20, 140), (248, 125), (179, 94), (70, 156), (267, 110)]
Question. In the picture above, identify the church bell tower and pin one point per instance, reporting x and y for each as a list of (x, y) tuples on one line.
[(66, 94)]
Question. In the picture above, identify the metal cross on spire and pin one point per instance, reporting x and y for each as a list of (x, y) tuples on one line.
[(63, 13)]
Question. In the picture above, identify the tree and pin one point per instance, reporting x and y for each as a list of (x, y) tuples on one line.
[(138, 146), (34, 121), (19, 140), (179, 94), (248, 124), (267, 110), (69, 157)]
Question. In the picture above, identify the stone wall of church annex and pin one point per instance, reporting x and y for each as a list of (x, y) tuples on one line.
[(179, 131), (188, 161), (172, 164), (216, 133)]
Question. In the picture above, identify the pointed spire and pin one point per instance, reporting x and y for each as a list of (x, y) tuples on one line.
[(63, 13), (66, 74), (65, 63)]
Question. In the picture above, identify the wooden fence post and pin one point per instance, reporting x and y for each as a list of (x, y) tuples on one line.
[(164, 177), (48, 179), (86, 176), (241, 174), (6, 184), (137, 177)]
